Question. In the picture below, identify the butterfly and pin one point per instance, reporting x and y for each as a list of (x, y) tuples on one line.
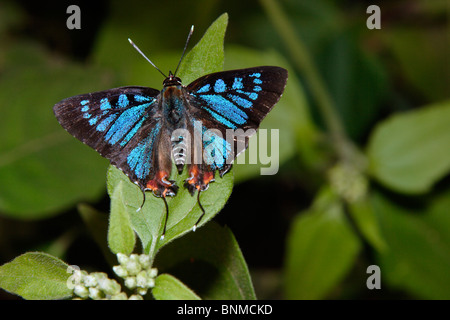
[(142, 131)]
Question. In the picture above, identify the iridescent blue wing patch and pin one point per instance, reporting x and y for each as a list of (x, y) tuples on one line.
[(119, 124), (238, 98)]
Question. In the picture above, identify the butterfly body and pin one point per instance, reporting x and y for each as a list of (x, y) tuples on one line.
[(143, 130)]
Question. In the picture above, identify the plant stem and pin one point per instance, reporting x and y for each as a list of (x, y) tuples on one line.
[(302, 60)]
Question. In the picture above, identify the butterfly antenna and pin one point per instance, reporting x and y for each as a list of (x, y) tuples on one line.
[(167, 216), (203, 212), (139, 50), (185, 47)]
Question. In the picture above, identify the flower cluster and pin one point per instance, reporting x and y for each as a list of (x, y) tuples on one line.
[(348, 182), (134, 269)]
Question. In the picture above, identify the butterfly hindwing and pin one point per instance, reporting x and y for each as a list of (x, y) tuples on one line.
[(235, 99), (118, 123)]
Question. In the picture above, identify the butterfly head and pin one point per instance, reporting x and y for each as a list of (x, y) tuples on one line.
[(171, 80)]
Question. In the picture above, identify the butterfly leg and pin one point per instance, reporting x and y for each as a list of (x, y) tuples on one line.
[(165, 221), (203, 212), (162, 188), (199, 181)]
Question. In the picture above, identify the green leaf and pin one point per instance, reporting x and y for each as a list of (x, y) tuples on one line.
[(418, 256), (167, 287), (409, 152), (183, 209), (356, 80), (423, 69), (121, 237), (365, 218), (42, 168), (36, 275), (11, 16), (321, 249), (207, 56), (210, 262)]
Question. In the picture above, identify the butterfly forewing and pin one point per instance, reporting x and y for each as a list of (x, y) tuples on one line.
[(119, 123)]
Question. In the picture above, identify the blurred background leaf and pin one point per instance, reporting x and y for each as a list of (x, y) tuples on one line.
[(400, 149), (418, 255), (42, 168), (420, 53), (320, 237)]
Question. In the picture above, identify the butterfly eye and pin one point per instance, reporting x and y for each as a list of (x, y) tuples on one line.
[(171, 81)]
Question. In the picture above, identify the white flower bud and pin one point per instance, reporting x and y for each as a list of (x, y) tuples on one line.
[(120, 271), (141, 279), (90, 281), (134, 257), (71, 269), (100, 275), (119, 296), (95, 294), (136, 297), (81, 291), (122, 258), (109, 287), (150, 283), (153, 272), (130, 282), (77, 277), (144, 260), (141, 291), (133, 267)]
